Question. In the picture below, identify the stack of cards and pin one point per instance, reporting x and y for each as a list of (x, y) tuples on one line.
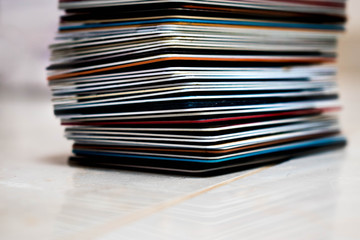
[(196, 87)]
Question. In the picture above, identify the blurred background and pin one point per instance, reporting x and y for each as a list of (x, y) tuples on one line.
[(27, 27), (32, 142)]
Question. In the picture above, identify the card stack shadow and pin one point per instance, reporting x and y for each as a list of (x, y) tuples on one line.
[(196, 87)]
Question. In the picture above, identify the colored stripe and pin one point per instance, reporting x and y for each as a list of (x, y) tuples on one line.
[(271, 60), (320, 110), (222, 22), (96, 147)]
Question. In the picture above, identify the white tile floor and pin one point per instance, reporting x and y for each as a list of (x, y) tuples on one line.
[(41, 197)]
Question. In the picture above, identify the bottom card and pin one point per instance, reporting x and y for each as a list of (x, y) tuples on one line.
[(276, 155)]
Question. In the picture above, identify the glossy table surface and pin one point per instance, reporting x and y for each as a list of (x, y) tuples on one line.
[(42, 197)]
